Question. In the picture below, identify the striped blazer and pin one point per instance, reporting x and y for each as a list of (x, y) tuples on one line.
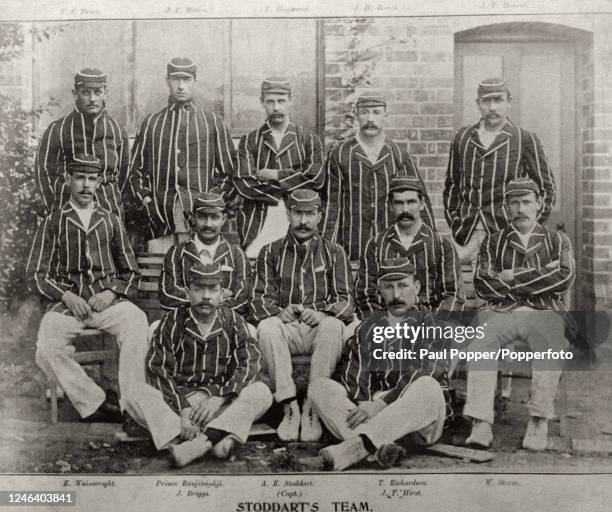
[(181, 360), (476, 178), (75, 133), (173, 289), (67, 257), (299, 161), (543, 271), (317, 276), (179, 152), (363, 375), (355, 196), (437, 265)]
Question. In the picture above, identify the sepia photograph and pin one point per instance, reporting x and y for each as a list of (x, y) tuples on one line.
[(306, 257)]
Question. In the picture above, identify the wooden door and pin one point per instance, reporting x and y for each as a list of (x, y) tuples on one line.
[(541, 77)]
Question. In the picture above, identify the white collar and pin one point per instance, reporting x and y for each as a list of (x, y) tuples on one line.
[(211, 249)]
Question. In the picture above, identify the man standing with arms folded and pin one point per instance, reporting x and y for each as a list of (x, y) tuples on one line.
[(301, 299), (523, 272), (179, 152), (274, 160), (432, 255), (359, 172), (83, 267), (88, 130), (483, 158)]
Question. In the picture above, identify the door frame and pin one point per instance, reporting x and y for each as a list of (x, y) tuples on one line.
[(538, 32)]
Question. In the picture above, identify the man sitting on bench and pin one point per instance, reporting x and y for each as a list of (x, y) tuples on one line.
[(83, 267), (523, 272), (203, 371), (301, 298), (207, 245), (377, 400)]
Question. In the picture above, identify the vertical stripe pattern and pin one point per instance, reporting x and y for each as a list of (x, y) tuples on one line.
[(318, 277), (179, 152), (437, 265), (476, 178), (181, 360), (173, 289), (299, 161), (543, 271), (355, 196), (101, 137), (67, 257)]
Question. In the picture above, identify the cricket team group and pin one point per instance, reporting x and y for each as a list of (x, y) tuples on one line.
[(200, 377)]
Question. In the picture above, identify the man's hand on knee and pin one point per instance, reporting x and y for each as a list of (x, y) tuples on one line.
[(288, 314), (203, 412), (100, 301), (311, 317), (363, 412), (188, 429), (77, 305)]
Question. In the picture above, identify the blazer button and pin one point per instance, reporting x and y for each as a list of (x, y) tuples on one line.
[(178, 151)]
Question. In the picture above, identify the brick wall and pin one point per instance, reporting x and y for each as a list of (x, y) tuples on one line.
[(414, 70), (596, 89)]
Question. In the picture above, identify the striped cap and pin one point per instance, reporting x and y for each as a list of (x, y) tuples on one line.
[(84, 163), (208, 202), (492, 87), (521, 186), (405, 183), (371, 100), (181, 66), (303, 199), (276, 84), (90, 77), (396, 268), (208, 273)]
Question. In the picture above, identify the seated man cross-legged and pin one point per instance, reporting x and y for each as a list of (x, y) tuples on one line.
[(376, 401), (523, 272), (301, 299), (202, 369)]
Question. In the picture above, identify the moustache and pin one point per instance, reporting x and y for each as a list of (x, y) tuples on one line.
[(369, 125), (206, 303), (397, 303), (406, 216), (303, 227)]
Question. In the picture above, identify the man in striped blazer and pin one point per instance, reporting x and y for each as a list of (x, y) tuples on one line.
[(206, 245), (523, 272), (359, 172), (483, 158), (433, 256), (82, 266), (301, 299), (88, 130), (203, 368), (274, 160), (179, 152), (376, 400)]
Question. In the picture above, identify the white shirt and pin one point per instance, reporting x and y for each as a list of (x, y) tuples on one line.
[(405, 240), (206, 252), (486, 137), (84, 213), (525, 237), (372, 152)]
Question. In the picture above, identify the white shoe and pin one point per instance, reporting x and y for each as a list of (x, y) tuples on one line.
[(311, 430), (289, 428), (188, 451), (481, 435), (341, 456), (536, 435)]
